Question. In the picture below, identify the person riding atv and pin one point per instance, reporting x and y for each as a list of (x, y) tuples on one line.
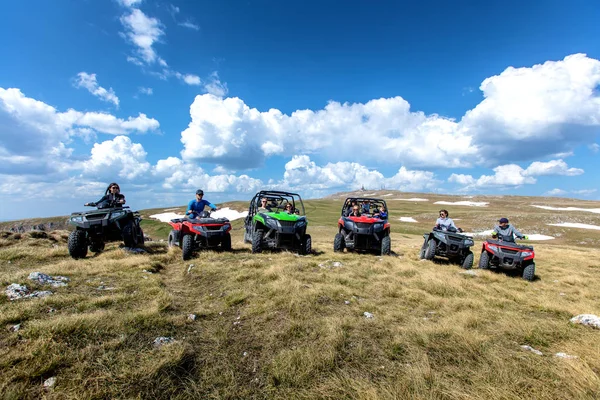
[(110, 222), (505, 232), (196, 206), (446, 240)]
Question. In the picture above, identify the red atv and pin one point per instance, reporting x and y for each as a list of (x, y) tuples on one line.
[(199, 233), (368, 232), (508, 255)]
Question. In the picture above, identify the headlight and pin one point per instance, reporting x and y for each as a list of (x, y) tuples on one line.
[(198, 228), (526, 253), (226, 227), (117, 214), (271, 221), (378, 226), (300, 223), (78, 218), (495, 248), (469, 242)]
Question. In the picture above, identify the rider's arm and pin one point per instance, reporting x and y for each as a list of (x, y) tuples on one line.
[(452, 223), (517, 233), (190, 207), (211, 205)]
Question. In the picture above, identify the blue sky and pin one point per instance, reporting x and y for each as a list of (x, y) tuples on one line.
[(168, 96)]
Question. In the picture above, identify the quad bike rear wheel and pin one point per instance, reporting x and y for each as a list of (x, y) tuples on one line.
[(77, 244), (430, 251), (484, 260), (386, 246), (468, 260), (529, 271), (187, 248), (339, 243), (226, 242), (171, 240), (257, 238)]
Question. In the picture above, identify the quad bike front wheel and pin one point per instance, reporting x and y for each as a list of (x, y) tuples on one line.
[(338, 243), (386, 246), (468, 260), (529, 271), (187, 248), (77, 244), (423, 250), (133, 235), (484, 260), (430, 250)]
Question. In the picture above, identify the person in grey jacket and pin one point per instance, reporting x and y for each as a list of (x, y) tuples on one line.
[(505, 232), (444, 221)]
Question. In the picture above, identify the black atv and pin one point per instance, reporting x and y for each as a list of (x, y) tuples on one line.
[(109, 222), (451, 244), (271, 227)]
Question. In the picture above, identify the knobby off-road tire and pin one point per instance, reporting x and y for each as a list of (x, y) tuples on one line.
[(468, 261), (339, 243), (484, 260), (171, 239), (306, 246), (257, 238), (430, 250), (130, 235), (77, 244), (187, 247), (140, 236), (529, 272), (423, 250), (386, 246), (226, 242)]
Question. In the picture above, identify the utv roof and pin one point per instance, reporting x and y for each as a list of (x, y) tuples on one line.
[(277, 193)]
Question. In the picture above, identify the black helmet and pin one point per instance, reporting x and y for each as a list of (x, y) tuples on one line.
[(200, 192)]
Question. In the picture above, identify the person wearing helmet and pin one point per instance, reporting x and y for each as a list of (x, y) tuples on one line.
[(505, 232), (196, 207)]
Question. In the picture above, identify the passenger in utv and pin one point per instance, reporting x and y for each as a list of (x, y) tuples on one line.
[(289, 209), (505, 232), (444, 222), (355, 212), (349, 208), (112, 196), (380, 213), (196, 207)]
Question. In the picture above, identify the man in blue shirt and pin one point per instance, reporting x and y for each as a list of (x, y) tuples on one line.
[(195, 207)]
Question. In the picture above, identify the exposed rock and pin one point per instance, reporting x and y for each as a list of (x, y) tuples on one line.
[(469, 272), (191, 317), (54, 281), (15, 292), (103, 287), (190, 268), (50, 382), (587, 319), (346, 302), (531, 349), (331, 264), (368, 315), (15, 328), (163, 340)]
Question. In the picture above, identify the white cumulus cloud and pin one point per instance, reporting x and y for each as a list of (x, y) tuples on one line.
[(89, 82), (553, 167), (556, 192)]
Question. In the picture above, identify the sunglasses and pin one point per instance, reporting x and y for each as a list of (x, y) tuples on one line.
[(114, 187)]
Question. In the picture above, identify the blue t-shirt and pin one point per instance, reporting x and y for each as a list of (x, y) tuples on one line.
[(197, 207)]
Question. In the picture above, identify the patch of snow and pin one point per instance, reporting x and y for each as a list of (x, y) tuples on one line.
[(564, 355), (592, 210), (576, 225), (413, 199), (537, 236), (387, 194), (229, 214), (531, 349), (54, 281), (463, 203), (483, 233), (408, 219), (221, 213), (587, 319), (166, 217)]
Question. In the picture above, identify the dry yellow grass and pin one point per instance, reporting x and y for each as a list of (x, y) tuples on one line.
[(276, 325)]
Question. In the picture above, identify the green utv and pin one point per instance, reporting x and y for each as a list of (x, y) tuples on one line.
[(277, 220)]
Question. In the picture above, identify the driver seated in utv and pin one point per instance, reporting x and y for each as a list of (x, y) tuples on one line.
[(361, 230), (111, 221), (446, 240)]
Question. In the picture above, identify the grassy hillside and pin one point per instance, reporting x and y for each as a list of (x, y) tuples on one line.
[(276, 325)]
